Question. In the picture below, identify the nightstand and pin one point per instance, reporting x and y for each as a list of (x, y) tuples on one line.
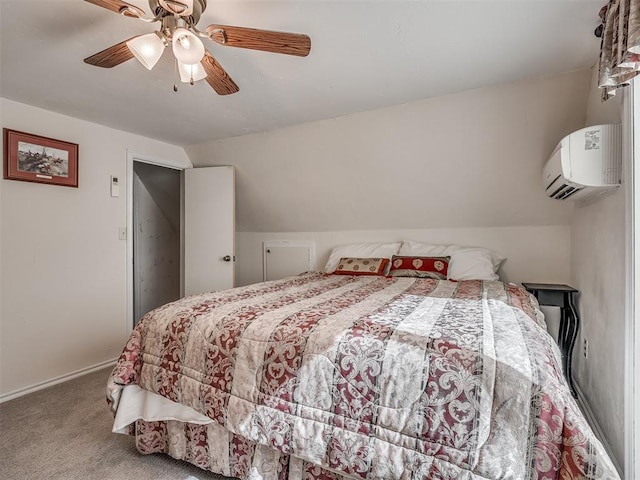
[(559, 295)]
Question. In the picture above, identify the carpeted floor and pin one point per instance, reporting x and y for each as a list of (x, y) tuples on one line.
[(64, 432)]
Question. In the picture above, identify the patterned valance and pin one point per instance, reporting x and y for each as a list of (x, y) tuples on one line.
[(620, 48)]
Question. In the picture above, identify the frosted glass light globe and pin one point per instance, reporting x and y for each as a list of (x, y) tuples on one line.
[(187, 48), (147, 49), (188, 72)]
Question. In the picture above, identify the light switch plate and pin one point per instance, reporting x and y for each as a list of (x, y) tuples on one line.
[(122, 233)]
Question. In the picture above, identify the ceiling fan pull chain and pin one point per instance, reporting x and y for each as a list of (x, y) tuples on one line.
[(175, 71)]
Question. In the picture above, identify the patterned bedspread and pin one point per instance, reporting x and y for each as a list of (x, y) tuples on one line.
[(372, 377)]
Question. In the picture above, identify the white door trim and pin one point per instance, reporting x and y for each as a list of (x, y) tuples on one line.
[(136, 157), (632, 325)]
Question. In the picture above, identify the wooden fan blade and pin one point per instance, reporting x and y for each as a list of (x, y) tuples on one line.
[(112, 56), (265, 40), (119, 6), (217, 77)]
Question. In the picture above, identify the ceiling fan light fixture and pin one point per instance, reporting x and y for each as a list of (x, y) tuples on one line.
[(178, 26), (193, 72), (147, 49), (187, 47)]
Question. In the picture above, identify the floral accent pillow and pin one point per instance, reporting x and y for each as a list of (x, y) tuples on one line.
[(361, 266), (422, 267), (361, 250)]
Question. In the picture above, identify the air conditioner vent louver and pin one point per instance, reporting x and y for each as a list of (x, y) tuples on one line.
[(554, 181), (567, 192), (585, 163)]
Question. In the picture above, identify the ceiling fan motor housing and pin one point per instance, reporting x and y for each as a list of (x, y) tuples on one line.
[(174, 6)]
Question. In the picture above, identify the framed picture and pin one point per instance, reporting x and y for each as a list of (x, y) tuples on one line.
[(32, 158)]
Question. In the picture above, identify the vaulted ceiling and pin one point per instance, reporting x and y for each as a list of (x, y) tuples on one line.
[(365, 55)]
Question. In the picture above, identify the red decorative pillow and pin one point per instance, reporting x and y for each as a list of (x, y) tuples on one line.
[(423, 267), (361, 266)]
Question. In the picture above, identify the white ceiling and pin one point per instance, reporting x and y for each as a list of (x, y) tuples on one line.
[(364, 55)]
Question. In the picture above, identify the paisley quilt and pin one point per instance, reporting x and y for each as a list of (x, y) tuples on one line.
[(335, 376)]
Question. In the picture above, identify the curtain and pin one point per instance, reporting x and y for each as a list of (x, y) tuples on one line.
[(620, 48)]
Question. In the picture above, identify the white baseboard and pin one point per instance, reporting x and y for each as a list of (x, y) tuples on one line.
[(595, 426), (54, 381)]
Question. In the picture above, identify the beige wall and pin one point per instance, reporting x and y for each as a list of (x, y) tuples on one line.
[(463, 169), (63, 268), (468, 160), (538, 253), (598, 271)]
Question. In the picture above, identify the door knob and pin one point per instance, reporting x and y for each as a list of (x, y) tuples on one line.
[(227, 258)]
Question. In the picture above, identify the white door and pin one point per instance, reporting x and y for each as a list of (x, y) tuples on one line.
[(209, 229)]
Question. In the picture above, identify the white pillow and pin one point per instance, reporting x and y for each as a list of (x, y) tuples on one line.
[(467, 263), (361, 250), (419, 249), (472, 265)]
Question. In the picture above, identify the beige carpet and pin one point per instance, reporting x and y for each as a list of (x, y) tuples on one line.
[(64, 432)]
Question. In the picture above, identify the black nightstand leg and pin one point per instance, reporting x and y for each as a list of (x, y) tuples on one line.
[(566, 327), (574, 324), (562, 336), (560, 295)]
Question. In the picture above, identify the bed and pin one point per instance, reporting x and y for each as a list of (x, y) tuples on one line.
[(325, 376)]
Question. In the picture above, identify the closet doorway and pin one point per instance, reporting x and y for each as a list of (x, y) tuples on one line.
[(180, 232), (156, 236)]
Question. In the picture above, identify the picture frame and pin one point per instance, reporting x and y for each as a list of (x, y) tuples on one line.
[(34, 158)]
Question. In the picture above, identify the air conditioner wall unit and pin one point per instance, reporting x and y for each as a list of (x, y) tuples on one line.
[(585, 163)]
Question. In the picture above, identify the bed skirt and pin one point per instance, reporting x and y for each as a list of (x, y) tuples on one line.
[(213, 448)]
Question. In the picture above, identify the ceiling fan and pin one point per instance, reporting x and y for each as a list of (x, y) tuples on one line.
[(178, 29)]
